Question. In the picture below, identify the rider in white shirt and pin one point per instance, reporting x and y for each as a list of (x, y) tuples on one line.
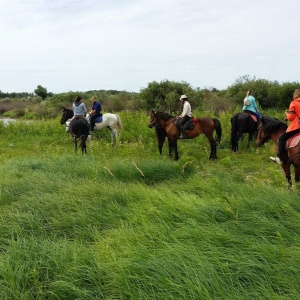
[(185, 115)]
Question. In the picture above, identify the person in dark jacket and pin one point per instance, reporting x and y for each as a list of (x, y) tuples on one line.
[(95, 112)]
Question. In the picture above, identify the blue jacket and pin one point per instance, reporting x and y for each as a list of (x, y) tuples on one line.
[(252, 106), (97, 107)]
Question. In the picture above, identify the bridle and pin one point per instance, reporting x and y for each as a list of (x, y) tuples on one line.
[(154, 122)]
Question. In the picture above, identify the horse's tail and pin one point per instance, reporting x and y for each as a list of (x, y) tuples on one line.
[(234, 130), (218, 129), (119, 122)]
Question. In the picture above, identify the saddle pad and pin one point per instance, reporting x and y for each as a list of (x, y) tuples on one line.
[(253, 117), (251, 114), (99, 119), (293, 141)]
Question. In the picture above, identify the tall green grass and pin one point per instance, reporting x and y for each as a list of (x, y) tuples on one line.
[(124, 223)]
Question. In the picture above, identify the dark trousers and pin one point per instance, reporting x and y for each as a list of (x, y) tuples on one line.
[(93, 118), (182, 121), (282, 140)]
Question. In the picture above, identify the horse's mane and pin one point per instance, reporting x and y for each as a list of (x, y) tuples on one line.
[(271, 125), (163, 115)]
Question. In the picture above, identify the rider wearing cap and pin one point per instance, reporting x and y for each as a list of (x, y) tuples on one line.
[(185, 115)]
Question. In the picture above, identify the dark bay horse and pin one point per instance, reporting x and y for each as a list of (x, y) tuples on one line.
[(161, 136), (204, 125), (242, 123), (78, 128), (271, 128)]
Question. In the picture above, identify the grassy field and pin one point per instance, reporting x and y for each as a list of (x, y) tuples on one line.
[(125, 223)]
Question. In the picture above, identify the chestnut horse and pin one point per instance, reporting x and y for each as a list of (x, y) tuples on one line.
[(204, 125), (271, 128)]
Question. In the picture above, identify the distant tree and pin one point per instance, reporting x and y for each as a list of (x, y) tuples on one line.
[(165, 95), (269, 94), (41, 91)]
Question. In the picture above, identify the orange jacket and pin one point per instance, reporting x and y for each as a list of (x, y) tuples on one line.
[(293, 115)]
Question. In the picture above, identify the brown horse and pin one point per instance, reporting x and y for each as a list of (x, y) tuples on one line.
[(271, 128), (204, 125)]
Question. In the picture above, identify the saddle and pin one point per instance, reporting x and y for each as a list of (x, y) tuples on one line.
[(293, 141), (99, 119), (189, 125), (248, 112)]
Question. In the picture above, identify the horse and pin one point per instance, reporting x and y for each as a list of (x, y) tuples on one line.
[(271, 128), (204, 125), (111, 121), (161, 135), (242, 123), (79, 129)]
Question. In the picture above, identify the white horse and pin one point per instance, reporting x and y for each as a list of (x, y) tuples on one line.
[(111, 121)]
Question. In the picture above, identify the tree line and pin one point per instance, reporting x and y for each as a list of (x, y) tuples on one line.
[(163, 96)]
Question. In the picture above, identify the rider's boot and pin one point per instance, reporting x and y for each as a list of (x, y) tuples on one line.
[(182, 133)]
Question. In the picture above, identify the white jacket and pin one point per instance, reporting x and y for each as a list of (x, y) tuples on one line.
[(187, 110)]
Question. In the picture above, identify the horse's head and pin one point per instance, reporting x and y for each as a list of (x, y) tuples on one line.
[(269, 128), (153, 119), (67, 114), (261, 137)]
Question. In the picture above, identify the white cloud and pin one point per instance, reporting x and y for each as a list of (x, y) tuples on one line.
[(82, 45)]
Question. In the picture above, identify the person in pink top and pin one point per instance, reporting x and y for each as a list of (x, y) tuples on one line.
[(293, 115)]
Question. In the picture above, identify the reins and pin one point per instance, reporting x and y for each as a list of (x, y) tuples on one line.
[(170, 122)]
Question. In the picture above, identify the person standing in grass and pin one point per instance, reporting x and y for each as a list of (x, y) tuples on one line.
[(293, 115), (95, 112)]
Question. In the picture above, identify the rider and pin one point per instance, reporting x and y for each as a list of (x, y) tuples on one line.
[(95, 112), (185, 115), (250, 105), (293, 115), (79, 108)]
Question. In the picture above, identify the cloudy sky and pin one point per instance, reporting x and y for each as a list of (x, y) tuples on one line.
[(80, 45)]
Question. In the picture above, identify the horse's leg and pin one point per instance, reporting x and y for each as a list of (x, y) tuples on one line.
[(213, 150), (287, 172), (170, 147), (160, 146), (238, 137), (83, 144), (297, 173), (75, 143), (212, 143), (250, 138), (113, 134), (174, 145)]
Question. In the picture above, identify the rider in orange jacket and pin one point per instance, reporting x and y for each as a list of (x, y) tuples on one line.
[(293, 115)]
